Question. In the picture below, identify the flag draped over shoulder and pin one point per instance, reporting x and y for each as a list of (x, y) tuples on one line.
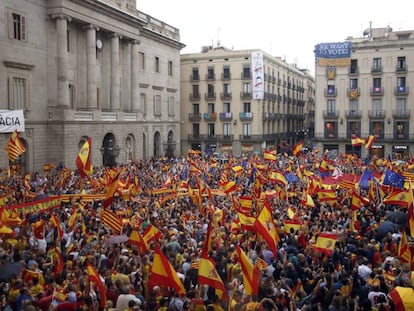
[(164, 274), (93, 276), (83, 160), (14, 147), (251, 273)]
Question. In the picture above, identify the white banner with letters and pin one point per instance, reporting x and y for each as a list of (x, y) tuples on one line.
[(11, 120)]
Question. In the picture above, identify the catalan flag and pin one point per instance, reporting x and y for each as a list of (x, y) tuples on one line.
[(402, 298), (404, 250), (251, 274), (112, 221), (83, 160), (229, 187), (410, 211), (14, 147)]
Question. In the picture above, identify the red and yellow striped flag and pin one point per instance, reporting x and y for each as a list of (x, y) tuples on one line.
[(14, 147)]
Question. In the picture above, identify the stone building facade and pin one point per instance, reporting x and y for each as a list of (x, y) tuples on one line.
[(89, 68)]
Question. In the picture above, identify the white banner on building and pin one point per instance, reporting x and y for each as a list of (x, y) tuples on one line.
[(11, 120), (258, 75)]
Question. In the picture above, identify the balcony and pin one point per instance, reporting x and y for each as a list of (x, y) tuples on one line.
[(210, 76), (251, 138), (401, 68), (226, 76), (194, 137), (376, 114), (376, 70), (225, 95), (401, 114), (226, 138), (246, 116), (353, 93), (331, 114), (330, 92), (245, 95), (210, 116), (194, 116), (195, 77), (246, 75), (401, 90), (226, 116), (353, 71), (353, 114), (377, 91), (210, 96), (195, 97)]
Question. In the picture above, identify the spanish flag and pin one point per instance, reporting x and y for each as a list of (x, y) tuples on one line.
[(369, 141), (265, 226), (357, 141), (208, 275), (135, 238), (325, 243), (251, 273), (164, 274), (269, 155), (297, 149), (402, 298), (229, 187), (83, 160), (404, 250), (93, 276), (327, 196), (151, 233), (410, 210)]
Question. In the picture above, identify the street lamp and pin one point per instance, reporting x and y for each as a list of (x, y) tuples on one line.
[(169, 147)]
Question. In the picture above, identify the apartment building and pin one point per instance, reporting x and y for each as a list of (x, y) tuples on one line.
[(362, 90), (89, 68), (243, 101)]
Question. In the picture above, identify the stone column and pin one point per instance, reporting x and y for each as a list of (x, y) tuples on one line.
[(115, 83), (91, 67), (62, 61), (135, 97)]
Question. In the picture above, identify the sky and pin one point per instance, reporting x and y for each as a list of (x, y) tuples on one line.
[(287, 29)]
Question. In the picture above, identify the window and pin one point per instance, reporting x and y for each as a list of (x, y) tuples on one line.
[(402, 129), (210, 107), (210, 90), (196, 74), (330, 128), (196, 129), (353, 105), (354, 66), (246, 72), (353, 84), (331, 107), (226, 107), (210, 73), (171, 106), (210, 129), (17, 26), (227, 129), (401, 64), (246, 88), (401, 84), (354, 128), (170, 68), (376, 64), (143, 100), (18, 92), (247, 129), (68, 40), (141, 56), (226, 72), (157, 64), (331, 89), (196, 93), (401, 105), (376, 106), (246, 107), (157, 105), (196, 108), (226, 89), (376, 85)]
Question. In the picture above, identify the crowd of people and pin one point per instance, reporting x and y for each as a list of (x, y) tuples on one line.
[(181, 198)]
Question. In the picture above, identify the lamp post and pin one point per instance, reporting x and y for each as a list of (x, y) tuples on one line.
[(109, 153), (302, 134), (169, 147)]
